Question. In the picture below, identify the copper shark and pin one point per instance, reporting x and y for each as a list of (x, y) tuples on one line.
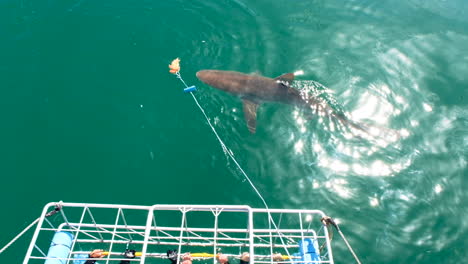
[(255, 89)]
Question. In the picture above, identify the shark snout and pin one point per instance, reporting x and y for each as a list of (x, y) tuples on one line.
[(207, 76), (203, 75)]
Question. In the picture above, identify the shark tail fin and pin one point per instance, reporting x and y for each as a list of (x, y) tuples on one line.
[(369, 131)]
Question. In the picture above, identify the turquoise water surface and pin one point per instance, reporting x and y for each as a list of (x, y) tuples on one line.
[(90, 113)]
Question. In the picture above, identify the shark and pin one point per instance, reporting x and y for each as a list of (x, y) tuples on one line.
[(255, 89)]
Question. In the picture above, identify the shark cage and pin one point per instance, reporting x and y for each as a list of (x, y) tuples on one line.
[(277, 236)]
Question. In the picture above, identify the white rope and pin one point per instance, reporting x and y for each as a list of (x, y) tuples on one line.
[(19, 235), (327, 221), (229, 153), (349, 246)]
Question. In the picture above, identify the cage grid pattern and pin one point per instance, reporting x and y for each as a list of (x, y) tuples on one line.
[(152, 230)]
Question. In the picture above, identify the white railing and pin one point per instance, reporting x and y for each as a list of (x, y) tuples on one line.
[(152, 230)]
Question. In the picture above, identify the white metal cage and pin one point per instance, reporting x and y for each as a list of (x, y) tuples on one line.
[(202, 230)]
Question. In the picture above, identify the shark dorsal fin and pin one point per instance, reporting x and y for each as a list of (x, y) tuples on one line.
[(286, 78), (250, 114)]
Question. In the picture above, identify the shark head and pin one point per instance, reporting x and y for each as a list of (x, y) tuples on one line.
[(210, 77), (228, 81)]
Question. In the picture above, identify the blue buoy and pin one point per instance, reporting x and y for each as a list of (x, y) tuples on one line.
[(190, 89), (308, 249), (59, 248)]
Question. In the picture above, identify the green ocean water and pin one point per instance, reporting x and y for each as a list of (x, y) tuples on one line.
[(90, 113)]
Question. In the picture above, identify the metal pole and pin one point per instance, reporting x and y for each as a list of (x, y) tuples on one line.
[(36, 233)]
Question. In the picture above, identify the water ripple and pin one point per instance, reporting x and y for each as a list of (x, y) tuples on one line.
[(365, 60)]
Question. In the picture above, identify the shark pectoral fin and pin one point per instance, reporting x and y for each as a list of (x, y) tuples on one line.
[(286, 78), (250, 114)]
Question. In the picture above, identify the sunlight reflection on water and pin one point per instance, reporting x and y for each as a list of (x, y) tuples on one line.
[(371, 107), (390, 78)]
